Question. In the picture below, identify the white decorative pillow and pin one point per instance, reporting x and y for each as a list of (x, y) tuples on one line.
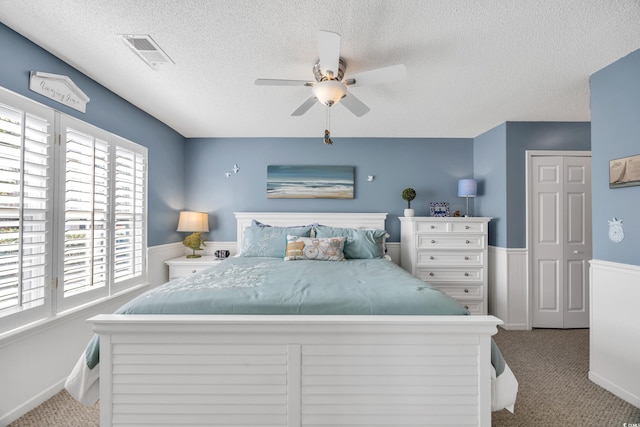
[(325, 249)]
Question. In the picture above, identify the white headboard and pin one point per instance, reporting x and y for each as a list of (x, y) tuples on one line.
[(288, 219)]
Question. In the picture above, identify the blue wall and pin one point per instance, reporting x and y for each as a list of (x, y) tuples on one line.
[(615, 116), (490, 169), (112, 113), (431, 166), (500, 167), (523, 136)]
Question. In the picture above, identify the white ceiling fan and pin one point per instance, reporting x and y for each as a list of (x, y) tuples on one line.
[(330, 86)]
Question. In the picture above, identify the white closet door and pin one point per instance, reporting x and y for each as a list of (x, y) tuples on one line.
[(561, 240)]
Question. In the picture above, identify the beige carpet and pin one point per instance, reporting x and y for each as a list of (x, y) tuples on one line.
[(551, 366)]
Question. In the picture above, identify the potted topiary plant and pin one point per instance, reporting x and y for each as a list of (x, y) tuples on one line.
[(408, 194)]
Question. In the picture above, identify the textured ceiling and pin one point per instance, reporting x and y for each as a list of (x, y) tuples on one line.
[(471, 65)]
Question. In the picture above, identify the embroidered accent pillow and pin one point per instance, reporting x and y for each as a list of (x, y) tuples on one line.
[(326, 249)]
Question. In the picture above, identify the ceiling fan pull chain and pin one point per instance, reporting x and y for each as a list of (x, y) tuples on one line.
[(327, 133)]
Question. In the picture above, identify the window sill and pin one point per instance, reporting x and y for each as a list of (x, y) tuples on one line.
[(37, 327)]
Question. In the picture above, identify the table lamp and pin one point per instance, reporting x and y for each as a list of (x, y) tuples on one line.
[(195, 223), (467, 188)]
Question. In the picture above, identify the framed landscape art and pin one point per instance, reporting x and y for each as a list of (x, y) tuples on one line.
[(310, 182)]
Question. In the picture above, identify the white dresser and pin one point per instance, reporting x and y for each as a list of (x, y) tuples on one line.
[(449, 253)]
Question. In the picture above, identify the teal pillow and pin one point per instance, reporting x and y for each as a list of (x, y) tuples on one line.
[(360, 244), (269, 241)]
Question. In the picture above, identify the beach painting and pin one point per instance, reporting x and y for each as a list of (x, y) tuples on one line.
[(310, 182)]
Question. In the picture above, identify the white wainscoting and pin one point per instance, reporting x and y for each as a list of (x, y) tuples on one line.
[(614, 347), (508, 287)]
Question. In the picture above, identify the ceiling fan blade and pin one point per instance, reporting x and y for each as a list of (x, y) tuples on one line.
[(282, 82), (390, 74), (305, 106), (329, 51), (354, 105)]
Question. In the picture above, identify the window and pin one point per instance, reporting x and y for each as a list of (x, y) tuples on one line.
[(72, 212)]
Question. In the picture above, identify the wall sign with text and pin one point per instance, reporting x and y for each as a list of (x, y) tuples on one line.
[(59, 88)]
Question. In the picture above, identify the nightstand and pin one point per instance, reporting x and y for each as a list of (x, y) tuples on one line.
[(183, 266)]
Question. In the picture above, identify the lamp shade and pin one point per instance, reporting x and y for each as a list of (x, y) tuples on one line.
[(193, 222), (329, 92), (467, 188)]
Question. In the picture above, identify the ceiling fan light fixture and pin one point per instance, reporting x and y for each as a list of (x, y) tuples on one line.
[(329, 92)]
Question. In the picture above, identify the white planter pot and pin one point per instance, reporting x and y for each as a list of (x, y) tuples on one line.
[(409, 212)]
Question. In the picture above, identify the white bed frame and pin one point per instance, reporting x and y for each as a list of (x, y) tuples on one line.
[(337, 371)]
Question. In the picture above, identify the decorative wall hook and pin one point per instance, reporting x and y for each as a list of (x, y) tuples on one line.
[(370, 178)]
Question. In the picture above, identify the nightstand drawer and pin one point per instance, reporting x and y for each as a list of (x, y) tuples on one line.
[(444, 275), (183, 266), (185, 270), (449, 241), (456, 258)]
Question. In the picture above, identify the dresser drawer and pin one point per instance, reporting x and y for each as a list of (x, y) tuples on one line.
[(474, 307), (450, 241), (451, 227), (462, 292), (435, 275), (432, 227), (468, 227), (457, 258)]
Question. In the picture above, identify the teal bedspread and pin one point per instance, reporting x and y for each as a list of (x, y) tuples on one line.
[(273, 286)]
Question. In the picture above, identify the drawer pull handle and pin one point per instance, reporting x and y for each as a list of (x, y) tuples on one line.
[(193, 271), (466, 274), (431, 274), (466, 227), (467, 242), (433, 226), (431, 257), (466, 258), (466, 291), (467, 307), (433, 241)]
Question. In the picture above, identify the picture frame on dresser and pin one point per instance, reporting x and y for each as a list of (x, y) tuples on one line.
[(439, 209)]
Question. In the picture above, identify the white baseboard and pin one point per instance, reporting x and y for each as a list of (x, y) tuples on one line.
[(31, 404), (508, 287)]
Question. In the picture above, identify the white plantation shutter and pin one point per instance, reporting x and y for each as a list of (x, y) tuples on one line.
[(130, 213), (73, 212), (104, 213), (25, 207), (85, 212)]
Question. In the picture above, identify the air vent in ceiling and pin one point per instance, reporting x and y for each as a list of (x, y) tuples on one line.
[(147, 49)]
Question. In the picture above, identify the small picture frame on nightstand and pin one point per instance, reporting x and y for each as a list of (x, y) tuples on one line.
[(439, 209)]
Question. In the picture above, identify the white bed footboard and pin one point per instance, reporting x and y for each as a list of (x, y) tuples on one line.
[(335, 371)]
